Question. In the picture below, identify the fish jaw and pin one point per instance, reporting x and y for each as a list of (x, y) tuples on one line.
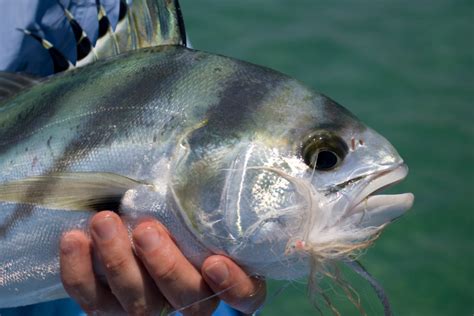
[(379, 209), (332, 234)]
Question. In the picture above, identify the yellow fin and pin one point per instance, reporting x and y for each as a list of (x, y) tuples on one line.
[(142, 23), (85, 191)]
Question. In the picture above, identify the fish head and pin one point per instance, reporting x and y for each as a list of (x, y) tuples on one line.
[(287, 181)]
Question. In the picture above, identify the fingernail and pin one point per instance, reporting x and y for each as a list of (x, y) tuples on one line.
[(148, 239), (69, 245), (105, 228), (217, 272)]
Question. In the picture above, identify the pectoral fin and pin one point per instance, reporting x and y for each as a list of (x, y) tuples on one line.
[(69, 191)]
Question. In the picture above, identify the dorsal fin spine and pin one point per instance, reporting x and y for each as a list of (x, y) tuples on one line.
[(84, 47), (103, 19), (60, 62), (142, 24)]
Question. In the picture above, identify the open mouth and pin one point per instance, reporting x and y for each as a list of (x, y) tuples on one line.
[(378, 209)]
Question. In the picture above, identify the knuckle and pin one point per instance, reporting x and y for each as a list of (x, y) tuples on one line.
[(247, 298), (116, 265), (73, 282), (166, 270), (137, 308)]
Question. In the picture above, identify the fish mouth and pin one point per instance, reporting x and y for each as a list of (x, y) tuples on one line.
[(378, 209)]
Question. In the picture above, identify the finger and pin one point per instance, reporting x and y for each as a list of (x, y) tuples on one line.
[(78, 276), (175, 276), (127, 279), (234, 286)]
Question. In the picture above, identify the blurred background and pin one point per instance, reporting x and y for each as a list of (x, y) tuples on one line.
[(405, 68)]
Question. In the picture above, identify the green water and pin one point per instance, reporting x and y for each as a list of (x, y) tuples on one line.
[(406, 69)]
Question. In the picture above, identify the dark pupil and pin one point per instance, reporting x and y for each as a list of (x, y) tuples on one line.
[(326, 160)]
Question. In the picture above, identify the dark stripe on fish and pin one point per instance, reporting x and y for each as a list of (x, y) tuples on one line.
[(26, 123), (142, 88), (239, 101), (337, 118), (145, 85), (21, 121)]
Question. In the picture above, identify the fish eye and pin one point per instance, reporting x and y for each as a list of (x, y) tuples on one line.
[(324, 150)]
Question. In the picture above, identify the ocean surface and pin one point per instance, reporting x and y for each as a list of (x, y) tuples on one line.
[(406, 69)]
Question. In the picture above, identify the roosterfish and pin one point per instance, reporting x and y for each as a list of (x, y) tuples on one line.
[(233, 158)]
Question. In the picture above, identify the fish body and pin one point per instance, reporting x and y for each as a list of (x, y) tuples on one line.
[(201, 130), (233, 158)]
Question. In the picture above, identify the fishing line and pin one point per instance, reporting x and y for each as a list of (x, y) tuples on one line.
[(382, 296), (174, 313)]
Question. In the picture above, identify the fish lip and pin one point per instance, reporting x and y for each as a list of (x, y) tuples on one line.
[(378, 182)]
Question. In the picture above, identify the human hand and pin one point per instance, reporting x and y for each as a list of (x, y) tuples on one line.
[(156, 274)]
